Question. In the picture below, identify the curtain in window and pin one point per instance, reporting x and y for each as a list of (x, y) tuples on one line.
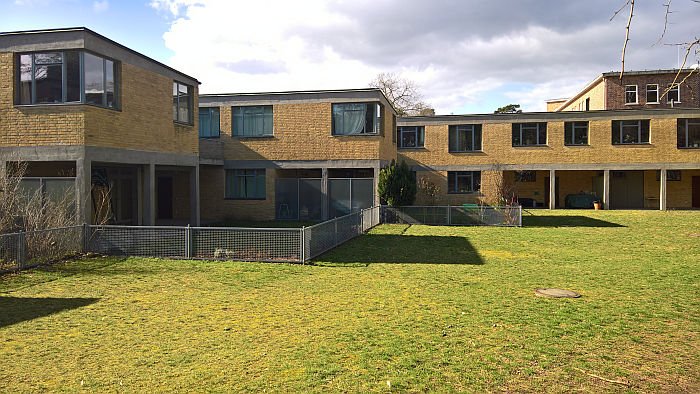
[(349, 118)]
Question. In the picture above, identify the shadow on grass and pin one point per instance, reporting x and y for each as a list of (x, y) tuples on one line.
[(566, 221), (17, 309), (407, 249)]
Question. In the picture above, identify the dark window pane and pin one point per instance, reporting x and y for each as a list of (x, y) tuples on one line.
[(110, 85), (477, 137), (693, 134), (49, 83), (644, 132), (652, 93), (94, 79), (48, 58), (516, 135), (25, 79), (568, 132), (542, 133), (72, 76)]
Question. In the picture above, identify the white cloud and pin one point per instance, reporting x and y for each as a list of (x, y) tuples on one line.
[(100, 6), (459, 55)]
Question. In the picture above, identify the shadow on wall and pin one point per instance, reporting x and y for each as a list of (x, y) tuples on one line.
[(407, 249), (566, 221), (17, 309)]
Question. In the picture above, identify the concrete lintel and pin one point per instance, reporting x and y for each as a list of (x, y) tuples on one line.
[(560, 167), (43, 153), (129, 156), (301, 164)]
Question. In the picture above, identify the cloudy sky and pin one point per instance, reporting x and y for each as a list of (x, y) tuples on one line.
[(466, 56)]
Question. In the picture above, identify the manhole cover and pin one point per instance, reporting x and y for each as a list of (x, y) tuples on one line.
[(556, 293)]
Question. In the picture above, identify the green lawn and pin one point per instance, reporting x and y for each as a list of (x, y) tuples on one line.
[(405, 308)]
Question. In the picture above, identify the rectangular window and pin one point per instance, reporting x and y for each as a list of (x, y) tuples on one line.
[(575, 133), (411, 136), (631, 94), (652, 94), (529, 134), (525, 176), (465, 138), (252, 121), (356, 118), (66, 77), (461, 182), (630, 132), (671, 175), (245, 184), (688, 133), (182, 102), (674, 93), (209, 121)]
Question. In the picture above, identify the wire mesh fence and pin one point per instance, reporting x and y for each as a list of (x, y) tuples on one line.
[(463, 215), (246, 244), (325, 236), (152, 241), (28, 249)]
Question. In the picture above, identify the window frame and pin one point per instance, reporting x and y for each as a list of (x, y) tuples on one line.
[(190, 103), (475, 181), (656, 90), (210, 111), (377, 119), (640, 123), (540, 128), (420, 136), (242, 133), (258, 175), (525, 176), (676, 177), (116, 74), (474, 129), (673, 87), (576, 125), (686, 122), (636, 95)]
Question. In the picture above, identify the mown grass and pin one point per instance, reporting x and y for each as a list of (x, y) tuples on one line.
[(405, 308)]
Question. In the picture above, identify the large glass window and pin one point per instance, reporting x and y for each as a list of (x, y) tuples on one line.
[(66, 77), (529, 134), (253, 121), (245, 184), (182, 102), (631, 94), (630, 132), (575, 133), (209, 122), (411, 136), (356, 118), (460, 182), (652, 94), (465, 138), (689, 133)]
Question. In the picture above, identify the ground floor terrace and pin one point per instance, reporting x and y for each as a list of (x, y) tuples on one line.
[(111, 186), (294, 191), (536, 187)]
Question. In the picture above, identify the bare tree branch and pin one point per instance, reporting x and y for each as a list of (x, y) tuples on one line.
[(402, 93), (627, 36), (668, 11)]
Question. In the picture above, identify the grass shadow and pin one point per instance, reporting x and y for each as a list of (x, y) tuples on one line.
[(566, 221), (18, 309), (403, 249)]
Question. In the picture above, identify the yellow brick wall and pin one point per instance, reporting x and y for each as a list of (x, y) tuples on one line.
[(215, 208), (597, 96), (497, 147), (679, 194), (302, 131)]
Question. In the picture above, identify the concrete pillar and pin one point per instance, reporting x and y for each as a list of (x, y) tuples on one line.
[(139, 196), (662, 192), (149, 195), (325, 201), (376, 185), (194, 196), (3, 168), (552, 189), (606, 189), (83, 189)]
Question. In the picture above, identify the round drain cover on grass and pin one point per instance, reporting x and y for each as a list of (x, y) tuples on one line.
[(556, 293)]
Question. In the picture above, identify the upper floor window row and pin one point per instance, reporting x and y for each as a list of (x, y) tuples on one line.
[(630, 132), (688, 133), (465, 138), (530, 134), (209, 122), (356, 118), (252, 121), (411, 136), (182, 102), (653, 94), (67, 77)]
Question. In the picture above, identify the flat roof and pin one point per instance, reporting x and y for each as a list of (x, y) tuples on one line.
[(68, 30), (648, 72)]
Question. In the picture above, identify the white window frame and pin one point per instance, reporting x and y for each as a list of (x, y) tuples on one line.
[(636, 95), (673, 87), (653, 90)]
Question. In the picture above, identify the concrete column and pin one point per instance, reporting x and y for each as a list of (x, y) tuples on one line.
[(606, 189), (194, 196), (3, 168), (325, 201), (139, 196), (662, 192), (83, 189), (376, 185), (552, 189), (149, 195)]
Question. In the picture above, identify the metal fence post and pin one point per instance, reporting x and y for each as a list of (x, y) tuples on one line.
[(449, 215), (20, 250), (86, 238), (302, 244), (520, 215), (335, 232), (188, 242)]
